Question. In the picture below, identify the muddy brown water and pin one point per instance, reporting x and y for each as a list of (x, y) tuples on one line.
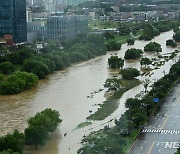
[(67, 91)]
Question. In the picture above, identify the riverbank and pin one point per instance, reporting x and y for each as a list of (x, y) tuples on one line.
[(112, 103)]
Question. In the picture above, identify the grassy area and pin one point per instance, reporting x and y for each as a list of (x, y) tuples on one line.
[(100, 24), (83, 124), (122, 38), (111, 104)]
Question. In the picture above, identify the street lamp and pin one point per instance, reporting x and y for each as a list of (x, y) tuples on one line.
[(164, 72)]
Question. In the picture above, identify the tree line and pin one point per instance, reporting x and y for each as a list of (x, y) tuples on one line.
[(151, 30)]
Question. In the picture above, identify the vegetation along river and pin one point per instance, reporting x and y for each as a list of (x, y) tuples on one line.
[(67, 91)]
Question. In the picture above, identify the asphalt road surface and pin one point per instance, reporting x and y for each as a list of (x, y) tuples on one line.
[(166, 128)]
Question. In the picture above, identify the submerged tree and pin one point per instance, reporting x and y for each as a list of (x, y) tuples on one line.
[(115, 62), (40, 126), (113, 84), (145, 61), (129, 73), (133, 53), (153, 46)]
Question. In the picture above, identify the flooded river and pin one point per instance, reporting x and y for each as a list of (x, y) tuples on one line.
[(67, 91)]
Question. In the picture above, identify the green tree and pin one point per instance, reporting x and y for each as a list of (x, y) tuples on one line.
[(14, 141), (35, 135), (148, 32), (175, 69), (40, 126), (113, 45), (132, 103), (175, 29), (3, 59), (96, 39), (124, 30), (1, 77), (156, 31), (18, 82), (133, 53), (113, 84), (48, 118), (19, 56), (50, 64), (36, 67), (130, 41), (57, 60), (176, 36), (109, 35), (115, 62), (138, 116), (7, 67), (163, 28), (129, 73), (171, 43), (145, 61), (153, 46)]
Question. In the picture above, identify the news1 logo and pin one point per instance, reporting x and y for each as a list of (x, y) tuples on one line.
[(172, 145)]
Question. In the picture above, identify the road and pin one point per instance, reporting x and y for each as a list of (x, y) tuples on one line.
[(167, 123)]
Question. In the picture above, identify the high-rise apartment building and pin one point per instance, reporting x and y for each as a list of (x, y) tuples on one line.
[(66, 27), (13, 19)]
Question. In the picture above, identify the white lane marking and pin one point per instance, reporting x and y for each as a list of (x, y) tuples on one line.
[(141, 147), (159, 150)]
